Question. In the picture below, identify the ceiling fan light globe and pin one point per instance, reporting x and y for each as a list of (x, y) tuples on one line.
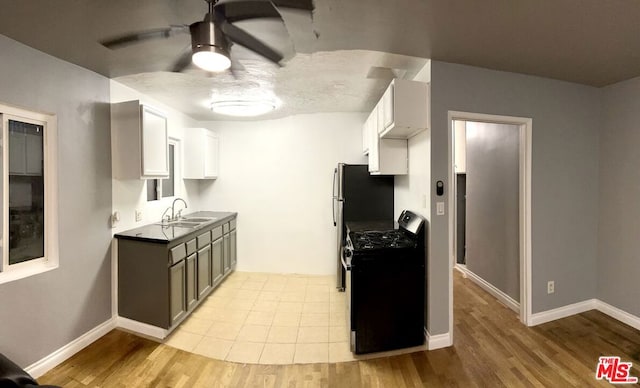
[(211, 60)]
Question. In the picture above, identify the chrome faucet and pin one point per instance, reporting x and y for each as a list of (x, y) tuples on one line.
[(168, 217), (174, 217)]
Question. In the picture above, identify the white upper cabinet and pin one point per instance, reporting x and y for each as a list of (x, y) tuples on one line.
[(402, 112), (386, 156), (155, 162), (201, 154), (140, 141), (211, 152), (405, 109)]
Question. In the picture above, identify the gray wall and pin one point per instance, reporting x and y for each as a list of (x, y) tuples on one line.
[(618, 257), (492, 205), (41, 313), (566, 122)]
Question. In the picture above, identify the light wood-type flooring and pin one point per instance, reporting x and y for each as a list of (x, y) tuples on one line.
[(491, 349), (260, 318)]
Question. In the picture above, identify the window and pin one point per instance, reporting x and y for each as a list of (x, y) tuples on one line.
[(28, 213), (164, 188)]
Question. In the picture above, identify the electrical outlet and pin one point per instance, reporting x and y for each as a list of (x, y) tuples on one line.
[(551, 287), (138, 215), (115, 217)]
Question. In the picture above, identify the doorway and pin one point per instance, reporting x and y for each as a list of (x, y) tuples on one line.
[(495, 190)]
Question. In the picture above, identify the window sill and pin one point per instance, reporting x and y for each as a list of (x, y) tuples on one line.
[(26, 271)]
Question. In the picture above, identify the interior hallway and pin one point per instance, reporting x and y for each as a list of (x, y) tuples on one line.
[(491, 348)]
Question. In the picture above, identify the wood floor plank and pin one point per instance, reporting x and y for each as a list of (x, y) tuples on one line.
[(491, 349)]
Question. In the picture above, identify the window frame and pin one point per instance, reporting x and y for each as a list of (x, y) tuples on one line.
[(177, 175), (50, 261)]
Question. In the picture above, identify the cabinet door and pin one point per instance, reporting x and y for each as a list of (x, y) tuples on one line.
[(216, 261), (374, 142), (204, 271), (155, 144), (178, 301), (192, 284), (366, 135), (234, 245), (211, 155), (227, 253)]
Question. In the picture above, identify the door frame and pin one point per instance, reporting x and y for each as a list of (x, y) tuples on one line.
[(525, 130)]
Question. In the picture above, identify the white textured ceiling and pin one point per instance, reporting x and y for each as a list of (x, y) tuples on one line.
[(310, 83), (330, 54)]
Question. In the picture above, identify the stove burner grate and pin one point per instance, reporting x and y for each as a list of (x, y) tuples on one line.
[(382, 239)]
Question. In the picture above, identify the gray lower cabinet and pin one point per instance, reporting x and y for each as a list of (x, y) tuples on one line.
[(204, 271), (178, 306), (192, 283), (229, 241), (217, 261), (161, 283)]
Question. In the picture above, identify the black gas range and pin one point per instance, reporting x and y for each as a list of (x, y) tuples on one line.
[(385, 283)]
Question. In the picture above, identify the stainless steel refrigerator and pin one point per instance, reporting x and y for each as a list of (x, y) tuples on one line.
[(357, 197)]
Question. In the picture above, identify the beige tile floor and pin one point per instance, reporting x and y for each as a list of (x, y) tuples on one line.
[(269, 319)]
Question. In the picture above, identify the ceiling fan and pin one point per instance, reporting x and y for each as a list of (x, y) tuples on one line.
[(212, 38)]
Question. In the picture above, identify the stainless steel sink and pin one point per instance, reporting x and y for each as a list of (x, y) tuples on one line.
[(180, 224), (188, 222), (184, 224), (199, 219)]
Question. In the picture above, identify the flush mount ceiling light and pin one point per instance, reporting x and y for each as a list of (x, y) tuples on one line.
[(243, 108)]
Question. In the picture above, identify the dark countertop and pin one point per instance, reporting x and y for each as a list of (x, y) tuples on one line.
[(366, 226), (166, 233)]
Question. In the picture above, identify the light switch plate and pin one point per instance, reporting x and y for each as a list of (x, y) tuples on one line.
[(138, 215), (440, 208)]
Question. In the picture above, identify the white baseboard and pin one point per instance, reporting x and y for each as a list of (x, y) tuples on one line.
[(491, 289), (563, 312), (437, 341), (618, 314), (580, 307), (142, 328), (54, 359)]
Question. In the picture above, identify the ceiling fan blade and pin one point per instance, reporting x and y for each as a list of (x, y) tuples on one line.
[(158, 33), (184, 61), (306, 5), (237, 10), (243, 38)]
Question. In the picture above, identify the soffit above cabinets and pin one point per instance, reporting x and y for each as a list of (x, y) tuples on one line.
[(592, 42)]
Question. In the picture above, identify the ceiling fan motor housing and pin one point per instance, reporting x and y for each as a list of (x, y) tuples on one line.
[(206, 36)]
